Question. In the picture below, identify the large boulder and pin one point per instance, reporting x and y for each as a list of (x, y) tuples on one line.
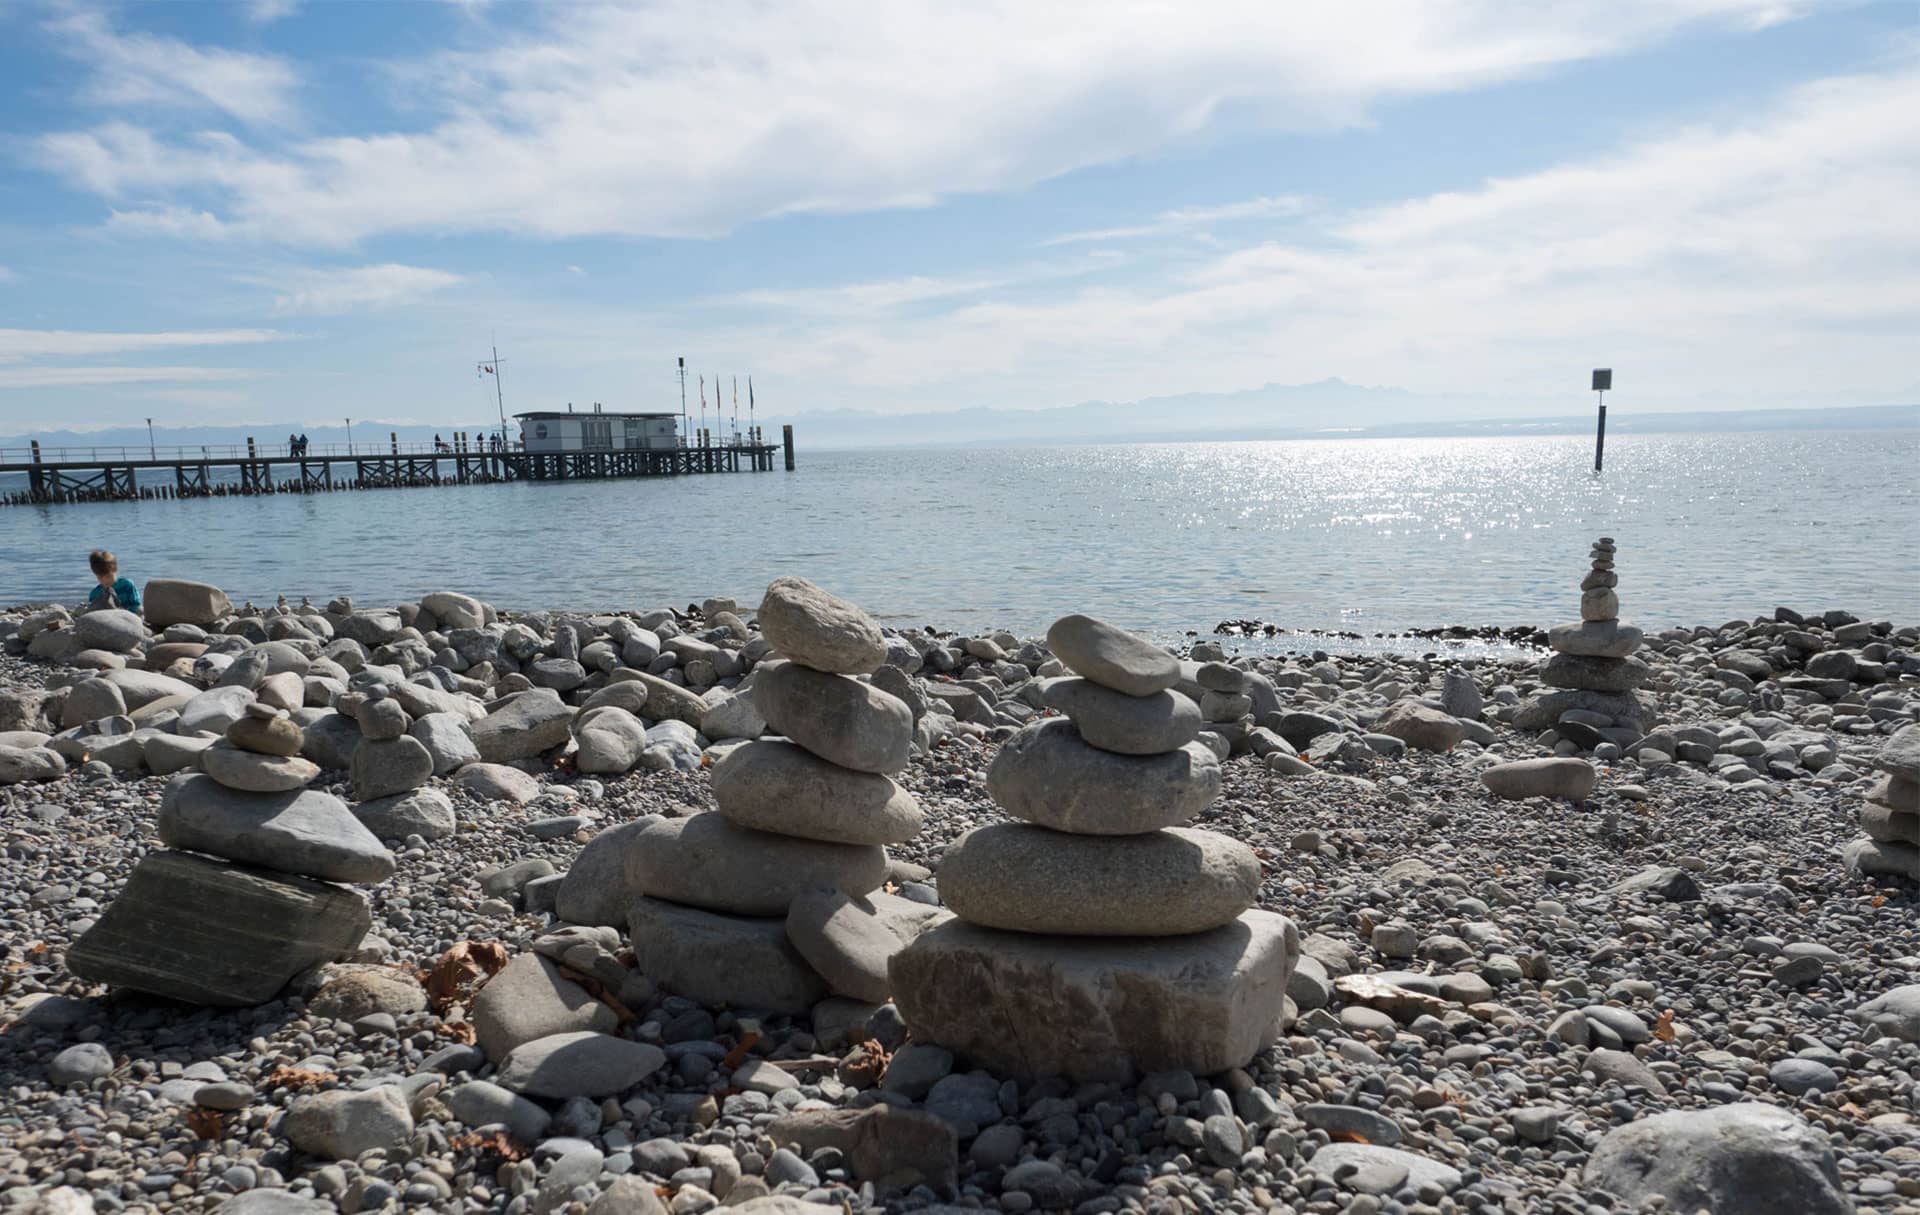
[(454, 610), (610, 740), (1594, 674), (343, 1123), (1741, 1159), (1111, 656), (304, 831), (737, 961), (141, 688), (664, 699), (529, 999), (707, 861), (214, 710), (207, 932), (594, 890), (820, 630), (1099, 1009), (1159, 883), (881, 1143), (1901, 754), (253, 772), (525, 725), (427, 813), (1895, 1013), (19, 764), (1420, 727), (779, 787), (1876, 858), (167, 601), (842, 720), (1595, 638), (448, 738), (1046, 774)]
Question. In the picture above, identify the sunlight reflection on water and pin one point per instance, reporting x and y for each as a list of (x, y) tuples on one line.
[(1360, 534)]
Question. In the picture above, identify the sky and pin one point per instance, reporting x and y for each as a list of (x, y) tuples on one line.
[(297, 211)]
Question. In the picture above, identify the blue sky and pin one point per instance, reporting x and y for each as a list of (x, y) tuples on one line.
[(279, 210)]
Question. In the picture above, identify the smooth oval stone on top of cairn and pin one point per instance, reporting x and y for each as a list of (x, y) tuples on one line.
[(801, 814), (1155, 884), (1107, 941), (1045, 774)]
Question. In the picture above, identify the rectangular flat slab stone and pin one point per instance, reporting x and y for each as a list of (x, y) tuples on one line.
[(743, 962), (1104, 1009), (208, 932)]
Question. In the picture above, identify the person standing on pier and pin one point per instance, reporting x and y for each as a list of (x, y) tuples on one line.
[(113, 591)]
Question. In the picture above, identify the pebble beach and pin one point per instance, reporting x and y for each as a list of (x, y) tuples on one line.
[(1673, 964)]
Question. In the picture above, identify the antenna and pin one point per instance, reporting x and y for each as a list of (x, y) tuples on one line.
[(492, 367), (683, 400)]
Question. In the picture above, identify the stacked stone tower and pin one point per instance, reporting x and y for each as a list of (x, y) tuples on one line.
[(1593, 668), (234, 930), (1098, 938), (1891, 817), (798, 816)]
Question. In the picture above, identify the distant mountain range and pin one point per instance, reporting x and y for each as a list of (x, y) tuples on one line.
[(1328, 409)]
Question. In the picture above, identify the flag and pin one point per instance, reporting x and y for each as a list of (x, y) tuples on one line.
[(488, 370)]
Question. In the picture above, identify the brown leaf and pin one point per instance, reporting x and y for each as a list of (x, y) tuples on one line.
[(1348, 1137), (297, 1077), (461, 971), (1663, 1026), (458, 1031), (206, 1123), (498, 1144), (738, 1054)]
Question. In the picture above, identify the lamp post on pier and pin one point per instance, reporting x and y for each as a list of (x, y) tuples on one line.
[(349, 436), (152, 452)]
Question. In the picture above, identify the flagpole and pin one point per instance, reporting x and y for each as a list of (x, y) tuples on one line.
[(750, 433), (499, 397)]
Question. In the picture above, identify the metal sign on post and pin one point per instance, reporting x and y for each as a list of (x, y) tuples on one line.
[(1602, 381)]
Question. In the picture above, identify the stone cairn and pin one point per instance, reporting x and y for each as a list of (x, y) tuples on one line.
[(769, 902), (1097, 938), (1592, 669), (1891, 817), (247, 897)]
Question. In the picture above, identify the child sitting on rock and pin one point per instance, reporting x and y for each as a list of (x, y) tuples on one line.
[(113, 591)]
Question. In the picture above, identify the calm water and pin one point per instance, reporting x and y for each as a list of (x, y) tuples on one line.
[(1355, 534)]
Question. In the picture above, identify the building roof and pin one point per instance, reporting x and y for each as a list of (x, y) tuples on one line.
[(604, 413)]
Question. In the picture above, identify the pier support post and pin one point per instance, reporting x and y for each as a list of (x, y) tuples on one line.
[(786, 441), (1600, 441)]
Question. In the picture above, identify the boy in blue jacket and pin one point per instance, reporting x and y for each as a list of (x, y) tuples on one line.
[(113, 591)]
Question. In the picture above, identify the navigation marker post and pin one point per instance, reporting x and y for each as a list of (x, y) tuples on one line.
[(1602, 380)]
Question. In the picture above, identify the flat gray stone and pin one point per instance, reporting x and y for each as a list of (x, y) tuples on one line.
[(1567, 777), (386, 766), (1594, 674), (1594, 638), (527, 724), (1100, 1009), (849, 941), (1741, 1159), (578, 1064), (1901, 754), (1111, 656), (343, 1123), (115, 630), (779, 787), (1128, 725), (447, 738), (722, 960), (1367, 1168), (498, 782), (306, 832), (1873, 858), (820, 630), (1541, 712), (610, 740), (1895, 1013), (594, 891), (212, 711), (1420, 727), (841, 720), (707, 861), (1889, 826), (1162, 883), (1046, 774), (207, 932), (249, 772)]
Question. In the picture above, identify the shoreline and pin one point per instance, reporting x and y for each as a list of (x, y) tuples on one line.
[(1685, 939)]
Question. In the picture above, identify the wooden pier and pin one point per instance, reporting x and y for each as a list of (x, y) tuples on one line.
[(125, 474)]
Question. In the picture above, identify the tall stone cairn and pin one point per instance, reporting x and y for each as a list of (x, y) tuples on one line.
[(251, 890), (1592, 669), (1097, 938), (1891, 816), (799, 834)]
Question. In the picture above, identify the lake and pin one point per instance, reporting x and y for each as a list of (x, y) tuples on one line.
[(1365, 534)]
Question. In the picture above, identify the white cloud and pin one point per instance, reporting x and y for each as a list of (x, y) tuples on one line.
[(332, 292), (1184, 220), (266, 12), (78, 377), (142, 70), (689, 119), (1776, 251), (20, 344)]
